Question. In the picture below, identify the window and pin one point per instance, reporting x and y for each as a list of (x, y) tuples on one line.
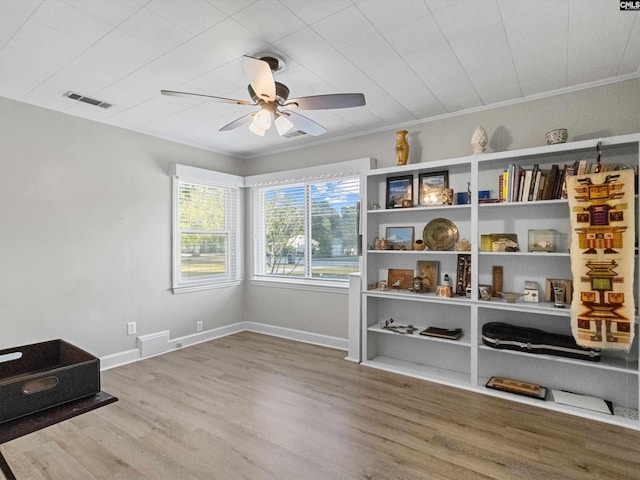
[(205, 251), (306, 230)]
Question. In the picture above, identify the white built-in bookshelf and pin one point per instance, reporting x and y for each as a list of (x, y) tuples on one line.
[(468, 363)]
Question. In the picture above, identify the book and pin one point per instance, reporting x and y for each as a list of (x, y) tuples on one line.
[(547, 194), (557, 187), (518, 387), (582, 167), (569, 170), (450, 333), (519, 174), (532, 185), (582, 401), (533, 195), (543, 182), (562, 174), (525, 185)]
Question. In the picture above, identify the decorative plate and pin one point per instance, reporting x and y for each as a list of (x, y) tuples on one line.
[(440, 234)]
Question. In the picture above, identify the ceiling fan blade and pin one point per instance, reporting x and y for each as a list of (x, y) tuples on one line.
[(300, 122), (211, 97), (320, 102), (244, 120), (260, 77)]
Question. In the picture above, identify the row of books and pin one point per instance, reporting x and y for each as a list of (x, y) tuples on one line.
[(518, 184)]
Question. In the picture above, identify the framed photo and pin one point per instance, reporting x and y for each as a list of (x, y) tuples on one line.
[(399, 189), (463, 277), (432, 186), (400, 279), (400, 238), (428, 271)]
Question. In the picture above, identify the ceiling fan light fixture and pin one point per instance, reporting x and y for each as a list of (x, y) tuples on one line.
[(257, 130), (262, 119), (270, 96), (283, 124)]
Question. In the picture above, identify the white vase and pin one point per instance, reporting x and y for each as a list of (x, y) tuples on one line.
[(479, 140)]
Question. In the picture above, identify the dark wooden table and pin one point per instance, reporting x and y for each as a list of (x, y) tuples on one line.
[(37, 421)]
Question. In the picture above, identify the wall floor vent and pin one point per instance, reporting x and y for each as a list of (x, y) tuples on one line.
[(294, 133), (153, 344)]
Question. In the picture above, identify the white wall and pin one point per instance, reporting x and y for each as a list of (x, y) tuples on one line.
[(85, 239), (85, 217), (590, 113)]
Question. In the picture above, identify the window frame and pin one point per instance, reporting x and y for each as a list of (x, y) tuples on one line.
[(232, 184), (307, 177)]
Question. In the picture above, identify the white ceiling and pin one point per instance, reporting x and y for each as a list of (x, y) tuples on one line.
[(413, 59)]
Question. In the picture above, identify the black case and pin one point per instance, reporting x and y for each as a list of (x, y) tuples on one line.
[(530, 340)]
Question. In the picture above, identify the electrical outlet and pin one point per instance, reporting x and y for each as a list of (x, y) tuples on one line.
[(131, 328), (199, 326)]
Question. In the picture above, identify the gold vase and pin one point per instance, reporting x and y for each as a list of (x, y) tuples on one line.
[(402, 147)]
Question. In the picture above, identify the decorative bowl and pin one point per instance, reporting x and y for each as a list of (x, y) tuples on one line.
[(558, 135), (511, 297)]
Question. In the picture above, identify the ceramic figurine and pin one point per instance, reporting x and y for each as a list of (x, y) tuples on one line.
[(479, 140)]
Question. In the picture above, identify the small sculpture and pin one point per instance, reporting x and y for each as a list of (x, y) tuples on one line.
[(463, 245), (479, 140)]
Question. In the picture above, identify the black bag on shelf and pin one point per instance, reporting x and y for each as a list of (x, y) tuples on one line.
[(530, 340)]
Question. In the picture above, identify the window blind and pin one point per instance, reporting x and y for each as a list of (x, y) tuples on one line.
[(205, 226), (307, 230)]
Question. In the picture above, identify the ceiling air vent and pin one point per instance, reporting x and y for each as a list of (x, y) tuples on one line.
[(89, 100), (294, 133)]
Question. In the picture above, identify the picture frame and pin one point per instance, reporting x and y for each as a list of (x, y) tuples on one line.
[(429, 272), (463, 276), (400, 279), (400, 238), (398, 189), (432, 186)]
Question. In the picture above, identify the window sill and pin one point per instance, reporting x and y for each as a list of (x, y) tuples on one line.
[(207, 286), (298, 284)]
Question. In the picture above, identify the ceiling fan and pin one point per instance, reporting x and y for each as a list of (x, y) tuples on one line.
[(273, 99)]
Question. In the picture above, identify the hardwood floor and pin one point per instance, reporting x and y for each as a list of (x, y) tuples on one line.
[(254, 407)]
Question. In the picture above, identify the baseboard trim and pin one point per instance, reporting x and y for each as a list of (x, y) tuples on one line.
[(298, 335), (194, 339), (118, 359)]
